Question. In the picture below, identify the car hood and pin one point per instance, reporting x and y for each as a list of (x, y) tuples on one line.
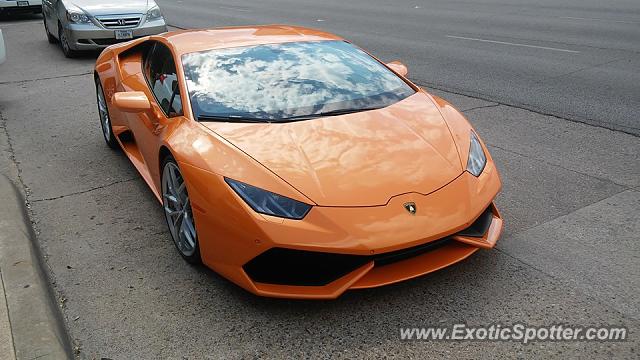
[(100, 7), (360, 159)]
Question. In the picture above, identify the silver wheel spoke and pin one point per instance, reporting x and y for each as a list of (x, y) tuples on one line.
[(170, 212), (180, 190), (178, 219), (189, 227), (186, 233), (186, 204), (171, 198)]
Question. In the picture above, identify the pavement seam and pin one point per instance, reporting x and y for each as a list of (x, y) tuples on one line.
[(85, 191), (6, 303), (572, 211), (569, 281), (587, 121), (481, 107), (628, 318), (12, 156), (626, 187), (585, 68), (44, 78)]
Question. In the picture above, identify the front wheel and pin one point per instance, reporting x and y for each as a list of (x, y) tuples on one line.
[(64, 43), (105, 119), (177, 211)]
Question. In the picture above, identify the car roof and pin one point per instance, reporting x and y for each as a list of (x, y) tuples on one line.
[(187, 41)]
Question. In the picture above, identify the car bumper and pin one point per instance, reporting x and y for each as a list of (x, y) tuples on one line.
[(365, 246), (34, 6), (93, 37)]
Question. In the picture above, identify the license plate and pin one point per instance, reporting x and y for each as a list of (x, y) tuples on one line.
[(124, 34), (23, 3)]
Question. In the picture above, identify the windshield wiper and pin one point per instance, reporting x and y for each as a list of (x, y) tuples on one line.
[(233, 118), (328, 113), (242, 119)]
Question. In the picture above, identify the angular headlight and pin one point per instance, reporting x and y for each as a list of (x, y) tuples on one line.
[(78, 17), (154, 13), (268, 203), (477, 158)]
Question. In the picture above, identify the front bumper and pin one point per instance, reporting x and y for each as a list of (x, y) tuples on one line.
[(94, 37), (232, 236)]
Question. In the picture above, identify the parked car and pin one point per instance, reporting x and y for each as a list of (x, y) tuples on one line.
[(294, 163), (3, 52), (20, 7), (95, 24)]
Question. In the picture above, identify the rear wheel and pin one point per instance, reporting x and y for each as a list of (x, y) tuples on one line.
[(64, 43), (105, 119), (177, 211)]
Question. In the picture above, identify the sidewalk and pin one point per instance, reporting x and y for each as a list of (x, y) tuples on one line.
[(30, 325)]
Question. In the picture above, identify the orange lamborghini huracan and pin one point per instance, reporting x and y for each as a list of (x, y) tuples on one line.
[(294, 163)]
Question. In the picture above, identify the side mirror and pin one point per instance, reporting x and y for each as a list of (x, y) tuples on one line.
[(398, 67), (131, 101)]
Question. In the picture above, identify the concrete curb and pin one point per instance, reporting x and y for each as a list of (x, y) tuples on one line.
[(35, 321)]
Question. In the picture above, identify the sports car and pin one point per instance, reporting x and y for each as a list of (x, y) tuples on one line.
[(294, 163)]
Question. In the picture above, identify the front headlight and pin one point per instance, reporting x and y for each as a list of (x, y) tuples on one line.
[(477, 158), (266, 202), (154, 13), (78, 17)]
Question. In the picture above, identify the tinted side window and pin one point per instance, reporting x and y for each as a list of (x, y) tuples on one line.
[(160, 71)]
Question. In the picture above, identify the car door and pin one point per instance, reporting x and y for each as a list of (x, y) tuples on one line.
[(160, 76)]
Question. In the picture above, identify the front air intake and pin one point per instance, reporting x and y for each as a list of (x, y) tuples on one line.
[(303, 268)]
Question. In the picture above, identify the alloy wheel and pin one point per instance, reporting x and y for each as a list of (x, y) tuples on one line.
[(105, 119), (64, 43), (177, 210), (105, 122)]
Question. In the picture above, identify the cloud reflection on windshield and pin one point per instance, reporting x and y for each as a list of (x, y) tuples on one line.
[(291, 79)]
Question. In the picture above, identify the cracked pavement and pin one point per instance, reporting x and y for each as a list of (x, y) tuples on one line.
[(569, 254)]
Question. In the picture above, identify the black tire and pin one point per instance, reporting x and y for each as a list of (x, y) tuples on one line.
[(64, 43), (192, 256), (105, 124), (52, 39)]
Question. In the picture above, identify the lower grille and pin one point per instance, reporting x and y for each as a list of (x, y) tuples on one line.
[(403, 254), (111, 41), (304, 268)]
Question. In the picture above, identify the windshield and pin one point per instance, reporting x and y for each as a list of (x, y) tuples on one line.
[(279, 82)]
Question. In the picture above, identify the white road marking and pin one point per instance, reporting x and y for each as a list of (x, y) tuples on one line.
[(233, 8), (593, 19), (513, 44)]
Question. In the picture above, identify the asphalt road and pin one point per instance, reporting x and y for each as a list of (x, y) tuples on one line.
[(575, 59), (571, 198)]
